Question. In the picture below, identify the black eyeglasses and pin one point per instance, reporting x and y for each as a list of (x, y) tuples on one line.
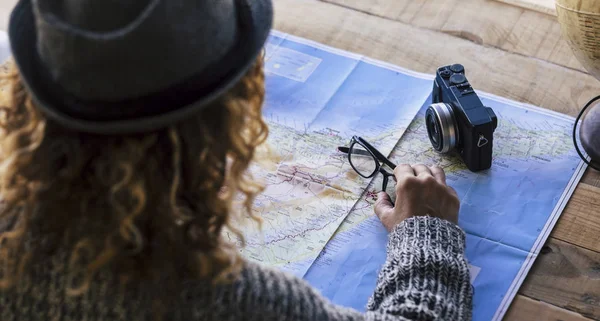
[(366, 160)]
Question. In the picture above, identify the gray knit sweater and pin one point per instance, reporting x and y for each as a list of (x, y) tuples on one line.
[(425, 277)]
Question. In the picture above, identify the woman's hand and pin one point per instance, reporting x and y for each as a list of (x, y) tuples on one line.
[(420, 191)]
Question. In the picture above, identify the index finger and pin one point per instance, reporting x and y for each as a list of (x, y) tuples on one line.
[(403, 170), (439, 174)]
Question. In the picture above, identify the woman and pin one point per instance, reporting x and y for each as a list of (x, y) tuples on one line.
[(126, 138)]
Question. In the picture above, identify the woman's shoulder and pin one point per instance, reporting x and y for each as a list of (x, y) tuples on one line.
[(264, 293), (260, 281), (256, 272)]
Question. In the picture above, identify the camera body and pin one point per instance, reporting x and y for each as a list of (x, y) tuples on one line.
[(458, 120)]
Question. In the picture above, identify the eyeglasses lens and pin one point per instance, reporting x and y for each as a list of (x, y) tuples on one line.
[(362, 161)]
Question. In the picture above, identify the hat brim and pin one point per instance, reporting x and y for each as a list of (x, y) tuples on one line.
[(23, 40)]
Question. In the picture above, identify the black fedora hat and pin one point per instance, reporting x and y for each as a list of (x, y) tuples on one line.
[(130, 66)]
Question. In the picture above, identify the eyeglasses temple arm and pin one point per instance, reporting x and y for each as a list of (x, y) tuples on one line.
[(379, 155), (356, 151), (388, 162)]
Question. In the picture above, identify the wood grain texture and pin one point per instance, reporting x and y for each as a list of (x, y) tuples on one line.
[(566, 276), (543, 6), (526, 309), (490, 23), (490, 69), (591, 177), (540, 37), (580, 221)]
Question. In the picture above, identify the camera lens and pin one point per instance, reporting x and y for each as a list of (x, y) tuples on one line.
[(441, 127), (434, 130)]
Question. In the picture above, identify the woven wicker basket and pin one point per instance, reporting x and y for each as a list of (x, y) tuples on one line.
[(580, 24)]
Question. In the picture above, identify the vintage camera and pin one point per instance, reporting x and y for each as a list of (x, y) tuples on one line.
[(458, 121)]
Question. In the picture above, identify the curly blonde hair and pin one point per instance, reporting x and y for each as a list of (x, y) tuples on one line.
[(148, 206)]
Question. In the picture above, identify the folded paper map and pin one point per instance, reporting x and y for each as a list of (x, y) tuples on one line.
[(318, 219)]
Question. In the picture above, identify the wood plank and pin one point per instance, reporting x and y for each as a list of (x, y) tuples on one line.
[(591, 177), (543, 6), (489, 69), (540, 37), (566, 276), (526, 309), (580, 221), (479, 21)]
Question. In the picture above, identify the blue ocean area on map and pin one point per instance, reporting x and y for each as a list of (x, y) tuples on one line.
[(339, 94), (497, 244), (507, 211), (373, 103), (501, 230)]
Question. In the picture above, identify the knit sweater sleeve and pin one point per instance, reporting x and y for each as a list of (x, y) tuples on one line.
[(425, 277)]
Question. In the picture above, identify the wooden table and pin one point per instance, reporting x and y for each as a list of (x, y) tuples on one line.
[(507, 51)]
